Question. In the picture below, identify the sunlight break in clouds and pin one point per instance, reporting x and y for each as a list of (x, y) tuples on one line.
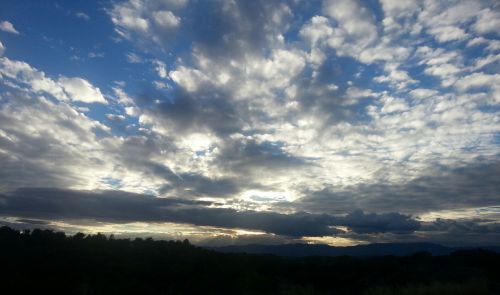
[(230, 122)]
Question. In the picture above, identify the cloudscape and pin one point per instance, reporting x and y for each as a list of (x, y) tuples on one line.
[(335, 122)]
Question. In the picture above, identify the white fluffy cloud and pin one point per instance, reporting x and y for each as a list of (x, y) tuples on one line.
[(8, 27), (485, 61), (75, 89), (79, 89), (129, 17), (146, 20), (476, 80), (189, 79), (56, 148), (353, 18), (350, 30), (488, 21), (166, 19), (445, 65), (399, 8), (36, 80), (423, 92), (448, 33)]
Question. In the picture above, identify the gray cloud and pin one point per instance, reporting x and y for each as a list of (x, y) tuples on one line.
[(43, 153), (122, 207), (452, 232), (147, 22), (243, 156), (461, 227), (197, 184), (360, 222), (320, 96), (221, 29), (187, 113), (473, 185), (234, 28)]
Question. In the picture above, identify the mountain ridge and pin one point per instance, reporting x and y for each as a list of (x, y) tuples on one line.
[(377, 249)]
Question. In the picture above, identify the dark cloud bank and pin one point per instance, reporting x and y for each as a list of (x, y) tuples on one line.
[(123, 207)]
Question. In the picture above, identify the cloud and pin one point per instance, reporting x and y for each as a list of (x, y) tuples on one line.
[(248, 155), (486, 61), (120, 207), (160, 68), (187, 114), (399, 8), (471, 186), (189, 79), (488, 21), (36, 80), (82, 15), (95, 54), (445, 20), (190, 184), (448, 33), (81, 90), (127, 17), (75, 89), (350, 30), (146, 21), (2, 49), (445, 65), (114, 117), (360, 222), (317, 29), (478, 80), (423, 92), (463, 227), (392, 105), (58, 148), (398, 78), (166, 19), (239, 28), (8, 27), (491, 45), (133, 58), (354, 19), (123, 98)]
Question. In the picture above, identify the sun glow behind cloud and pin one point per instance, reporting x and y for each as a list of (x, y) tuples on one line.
[(333, 241)]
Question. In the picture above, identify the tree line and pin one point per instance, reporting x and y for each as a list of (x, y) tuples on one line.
[(44, 261)]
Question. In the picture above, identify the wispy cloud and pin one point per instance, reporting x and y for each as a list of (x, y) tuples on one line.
[(8, 27)]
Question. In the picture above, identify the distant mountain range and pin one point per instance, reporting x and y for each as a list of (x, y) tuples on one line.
[(301, 250)]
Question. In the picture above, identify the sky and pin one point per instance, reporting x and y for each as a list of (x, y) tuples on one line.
[(337, 122)]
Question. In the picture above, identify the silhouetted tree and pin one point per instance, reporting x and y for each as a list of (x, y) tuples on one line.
[(47, 262)]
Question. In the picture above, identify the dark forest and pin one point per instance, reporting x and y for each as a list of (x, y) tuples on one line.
[(48, 262)]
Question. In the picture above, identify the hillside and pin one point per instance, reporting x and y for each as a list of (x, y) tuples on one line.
[(42, 261), (302, 250)]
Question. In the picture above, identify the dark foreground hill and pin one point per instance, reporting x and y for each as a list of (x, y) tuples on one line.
[(45, 262), (302, 250)]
